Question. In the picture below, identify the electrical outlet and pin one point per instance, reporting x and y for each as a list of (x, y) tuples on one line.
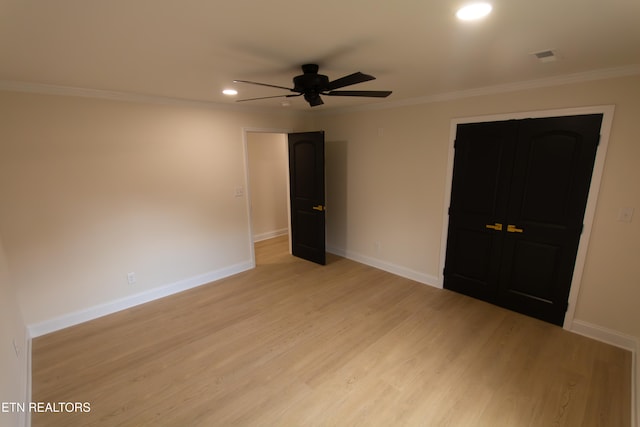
[(16, 348), (131, 278), (625, 214)]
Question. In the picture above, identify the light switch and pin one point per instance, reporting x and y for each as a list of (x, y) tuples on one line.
[(625, 214)]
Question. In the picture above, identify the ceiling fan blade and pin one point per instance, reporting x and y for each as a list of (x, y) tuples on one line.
[(263, 84), (349, 80), (369, 93), (268, 97)]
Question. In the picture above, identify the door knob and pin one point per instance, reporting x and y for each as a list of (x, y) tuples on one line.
[(497, 226), (512, 229), (318, 208)]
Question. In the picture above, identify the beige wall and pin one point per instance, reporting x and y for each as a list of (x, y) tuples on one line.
[(268, 177), (392, 181), (13, 368), (93, 189), (392, 187)]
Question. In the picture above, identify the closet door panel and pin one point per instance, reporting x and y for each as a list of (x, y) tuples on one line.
[(552, 171), (481, 172)]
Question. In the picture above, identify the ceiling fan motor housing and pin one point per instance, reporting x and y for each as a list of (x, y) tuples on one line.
[(314, 83), (311, 84)]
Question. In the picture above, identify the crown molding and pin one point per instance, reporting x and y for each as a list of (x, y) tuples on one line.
[(46, 89), (600, 74), (586, 76)]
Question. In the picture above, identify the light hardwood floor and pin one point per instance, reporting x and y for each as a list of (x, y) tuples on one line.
[(291, 343)]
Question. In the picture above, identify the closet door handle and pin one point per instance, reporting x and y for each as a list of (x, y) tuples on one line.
[(512, 229), (318, 208), (497, 226)]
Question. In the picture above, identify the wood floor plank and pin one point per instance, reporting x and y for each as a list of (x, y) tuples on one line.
[(291, 343)]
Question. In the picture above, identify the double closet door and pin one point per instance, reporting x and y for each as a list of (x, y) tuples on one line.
[(518, 197)]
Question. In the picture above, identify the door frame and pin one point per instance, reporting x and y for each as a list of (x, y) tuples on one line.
[(592, 198), (245, 148)]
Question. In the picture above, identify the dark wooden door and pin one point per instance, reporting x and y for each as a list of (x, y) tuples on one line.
[(482, 170), (518, 198), (306, 178)]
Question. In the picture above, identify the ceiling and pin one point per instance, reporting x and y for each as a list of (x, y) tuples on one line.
[(193, 49)]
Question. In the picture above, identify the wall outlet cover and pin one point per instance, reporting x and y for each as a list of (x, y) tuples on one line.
[(625, 214)]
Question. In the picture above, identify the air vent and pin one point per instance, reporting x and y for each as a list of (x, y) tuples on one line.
[(545, 56)]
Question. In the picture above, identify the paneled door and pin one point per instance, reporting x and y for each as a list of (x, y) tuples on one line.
[(306, 180), (519, 193)]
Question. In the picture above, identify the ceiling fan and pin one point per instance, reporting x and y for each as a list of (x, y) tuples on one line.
[(312, 85)]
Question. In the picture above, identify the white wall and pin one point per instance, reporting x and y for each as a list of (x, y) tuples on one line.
[(13, 368), (387, 194), (268, 177), (91, 190)]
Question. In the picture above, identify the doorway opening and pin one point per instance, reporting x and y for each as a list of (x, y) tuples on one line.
[(267, 181), (284, 176)]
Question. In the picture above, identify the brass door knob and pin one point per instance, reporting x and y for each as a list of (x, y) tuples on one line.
[(513, 229)]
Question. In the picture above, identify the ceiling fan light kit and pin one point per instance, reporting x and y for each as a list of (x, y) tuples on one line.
[(311, 85)]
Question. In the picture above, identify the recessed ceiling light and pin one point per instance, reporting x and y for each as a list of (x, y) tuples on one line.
[(230, 92), (474, 11)]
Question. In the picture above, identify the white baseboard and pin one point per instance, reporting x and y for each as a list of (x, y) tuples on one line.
[(621, 340), (605, 335), (95, 312), (398, 270), (270, 234)]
